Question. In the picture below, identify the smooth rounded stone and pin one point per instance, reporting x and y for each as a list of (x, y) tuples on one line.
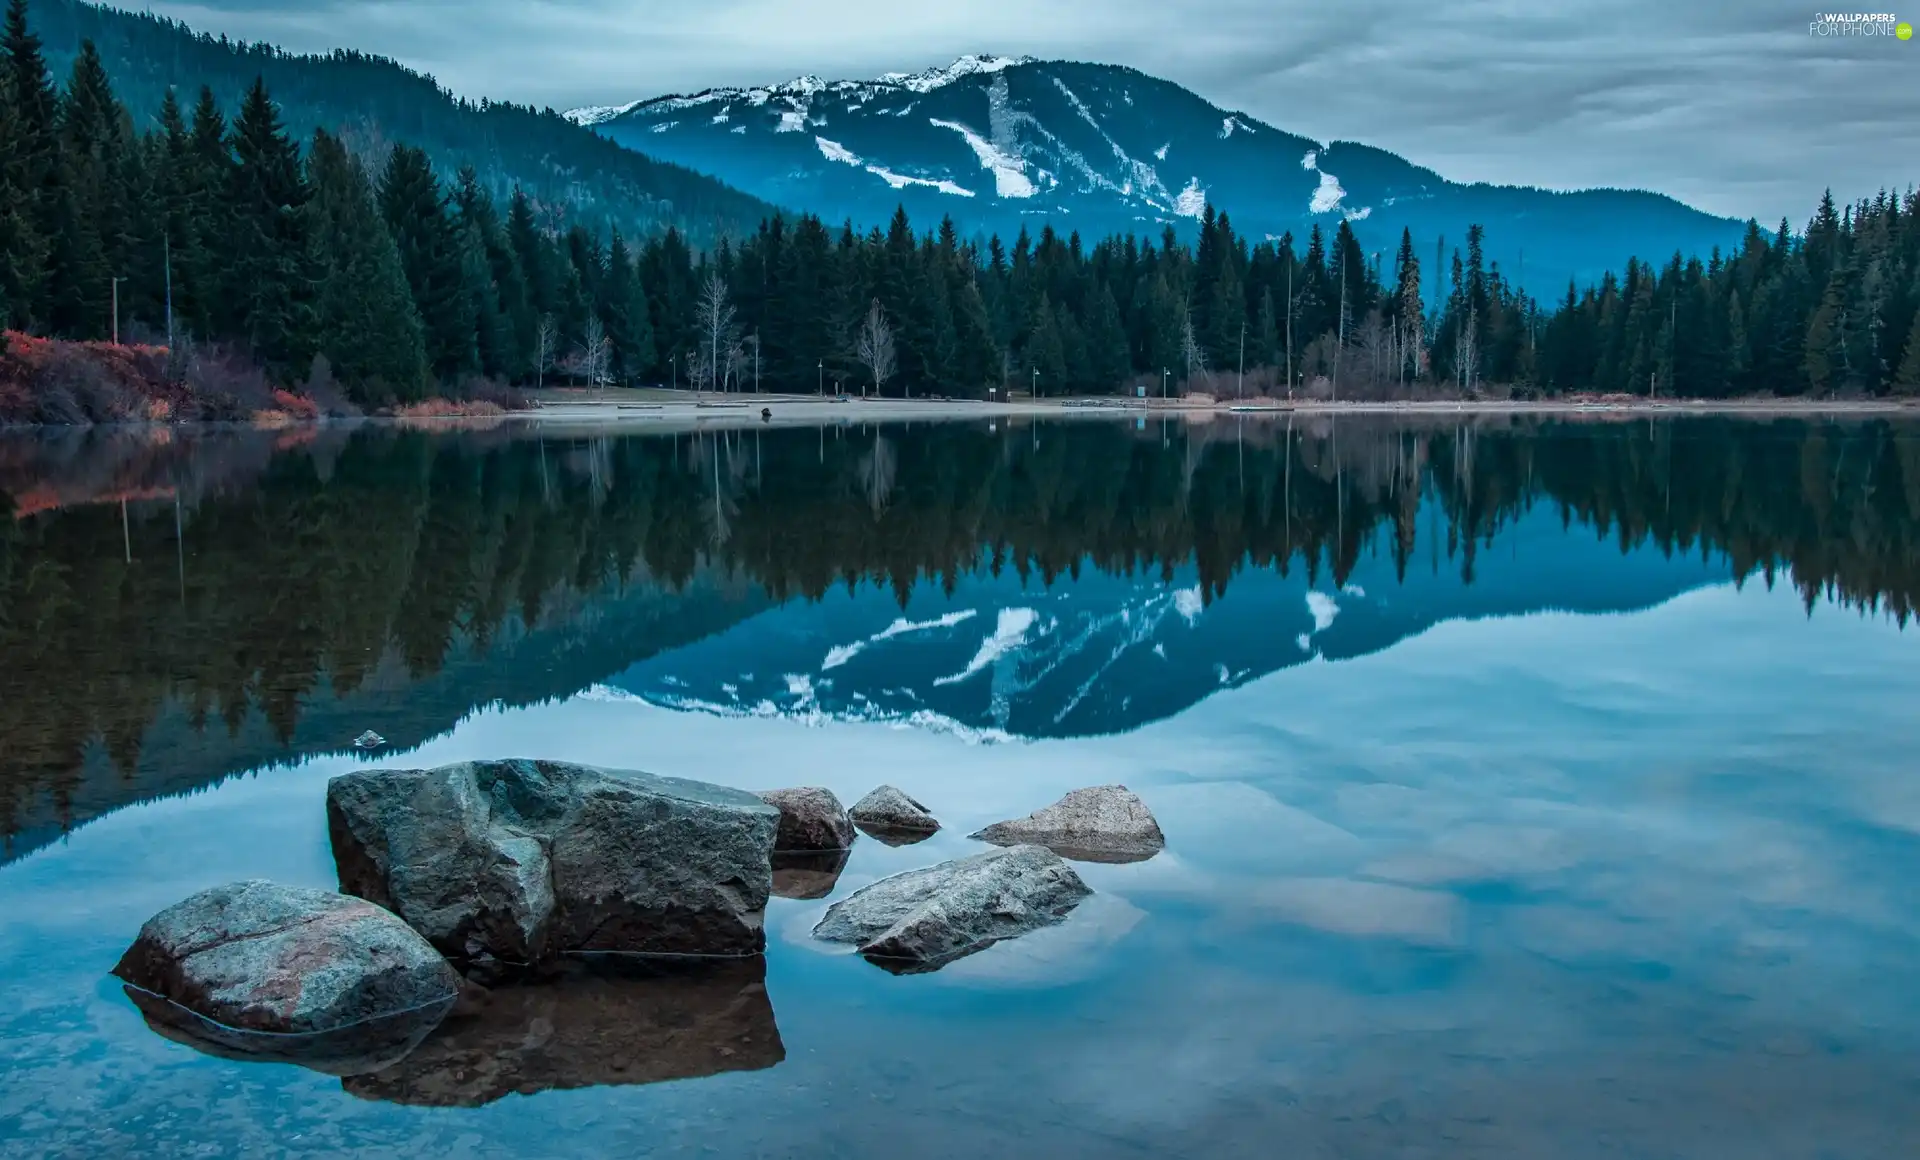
[(887, 812), (1107, 823), (522, 860), (807, 874), (604, 1020), (923, 919), (810, 819), (257, 970)]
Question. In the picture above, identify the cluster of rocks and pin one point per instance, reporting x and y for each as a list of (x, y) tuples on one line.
[(619, 912)]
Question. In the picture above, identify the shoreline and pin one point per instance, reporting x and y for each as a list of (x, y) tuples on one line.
[(661, 409), (664, 410)]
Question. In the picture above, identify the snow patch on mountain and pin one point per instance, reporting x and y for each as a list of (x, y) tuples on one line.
[(1323, 609), (1192, 201), (1009, 173), (1328, 195), (840, 654), (1160, 154), (834, 151), (596, 114), (1188, 604), (1232, 125), (1008, 634), (664, 126), (966, 66)]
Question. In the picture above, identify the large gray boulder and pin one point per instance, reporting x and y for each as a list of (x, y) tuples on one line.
[(523, 860), (597, 1023), (257, 970), (810, 819), (1107, 823), (923, 919), (893, 818)]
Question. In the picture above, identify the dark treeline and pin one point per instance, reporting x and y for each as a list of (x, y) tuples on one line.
[(381, 556)]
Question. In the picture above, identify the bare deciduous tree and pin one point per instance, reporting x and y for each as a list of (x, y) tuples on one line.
[(715, 316), (874, 347), (596, 352), (547, 338), (1191, 350)]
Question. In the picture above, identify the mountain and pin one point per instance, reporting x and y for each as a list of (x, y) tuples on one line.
[(373, 103), (998, 659), (1001, 143)]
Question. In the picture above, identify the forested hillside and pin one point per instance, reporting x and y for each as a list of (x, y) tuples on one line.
[(370, 103)]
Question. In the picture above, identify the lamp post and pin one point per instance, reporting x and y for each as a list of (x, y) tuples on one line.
[(1163, 383), (820, 370), (673, 361), (1035, 392)]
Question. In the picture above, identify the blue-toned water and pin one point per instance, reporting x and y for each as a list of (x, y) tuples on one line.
[(1530, 790)]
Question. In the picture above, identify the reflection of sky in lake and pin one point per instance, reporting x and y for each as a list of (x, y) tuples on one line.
[(1547, 885)]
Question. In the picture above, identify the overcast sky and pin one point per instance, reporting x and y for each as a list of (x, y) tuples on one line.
[(1727, 104)]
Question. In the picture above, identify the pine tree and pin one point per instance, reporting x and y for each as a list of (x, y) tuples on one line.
[(31, 165), (431, 254), (90, 214), (264, 250), (367, 326), (1906, 382)]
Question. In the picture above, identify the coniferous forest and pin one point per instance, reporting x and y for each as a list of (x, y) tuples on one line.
[(362, 274)]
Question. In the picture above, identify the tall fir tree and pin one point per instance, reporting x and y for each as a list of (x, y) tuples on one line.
[(264, 250)]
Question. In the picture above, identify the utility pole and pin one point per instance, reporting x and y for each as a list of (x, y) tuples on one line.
[(1240, 384), (116, 310), (166, 249), (1289, 323), (1340, 343)]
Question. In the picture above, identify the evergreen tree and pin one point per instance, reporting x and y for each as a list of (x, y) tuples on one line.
[(367, 326), (432, 256), (265, 250)]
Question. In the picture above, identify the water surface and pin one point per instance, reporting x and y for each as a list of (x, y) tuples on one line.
[(1530, 788)]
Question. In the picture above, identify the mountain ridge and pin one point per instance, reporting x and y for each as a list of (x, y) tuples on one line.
[(999, 142)]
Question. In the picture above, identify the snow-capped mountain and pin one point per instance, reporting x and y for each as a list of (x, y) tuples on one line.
[(1001, 660), (1002, 142)]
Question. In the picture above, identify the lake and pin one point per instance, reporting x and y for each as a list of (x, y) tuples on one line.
[(1531, 787)]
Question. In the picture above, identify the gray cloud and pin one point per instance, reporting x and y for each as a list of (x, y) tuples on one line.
[(1727, 104)]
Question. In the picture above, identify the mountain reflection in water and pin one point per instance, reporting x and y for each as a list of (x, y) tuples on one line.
[(176, 608)]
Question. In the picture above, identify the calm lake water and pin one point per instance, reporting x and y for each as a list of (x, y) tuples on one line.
[(1531, 788)]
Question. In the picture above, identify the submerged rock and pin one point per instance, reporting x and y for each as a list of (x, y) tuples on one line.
[(893, 818), (602, 1021), (924, 919), (257, 970), (522, 860), (807, 873), (810, 819), (1107, 823)]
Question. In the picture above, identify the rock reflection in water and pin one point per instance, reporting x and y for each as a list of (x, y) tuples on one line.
[(889, 836), (605, 1020), (347, 1051), (807, 874)]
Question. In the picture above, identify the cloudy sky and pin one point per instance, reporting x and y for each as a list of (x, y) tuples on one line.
[(1728, 104)]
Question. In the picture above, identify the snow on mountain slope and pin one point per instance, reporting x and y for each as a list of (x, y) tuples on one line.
[(1003, 142)]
